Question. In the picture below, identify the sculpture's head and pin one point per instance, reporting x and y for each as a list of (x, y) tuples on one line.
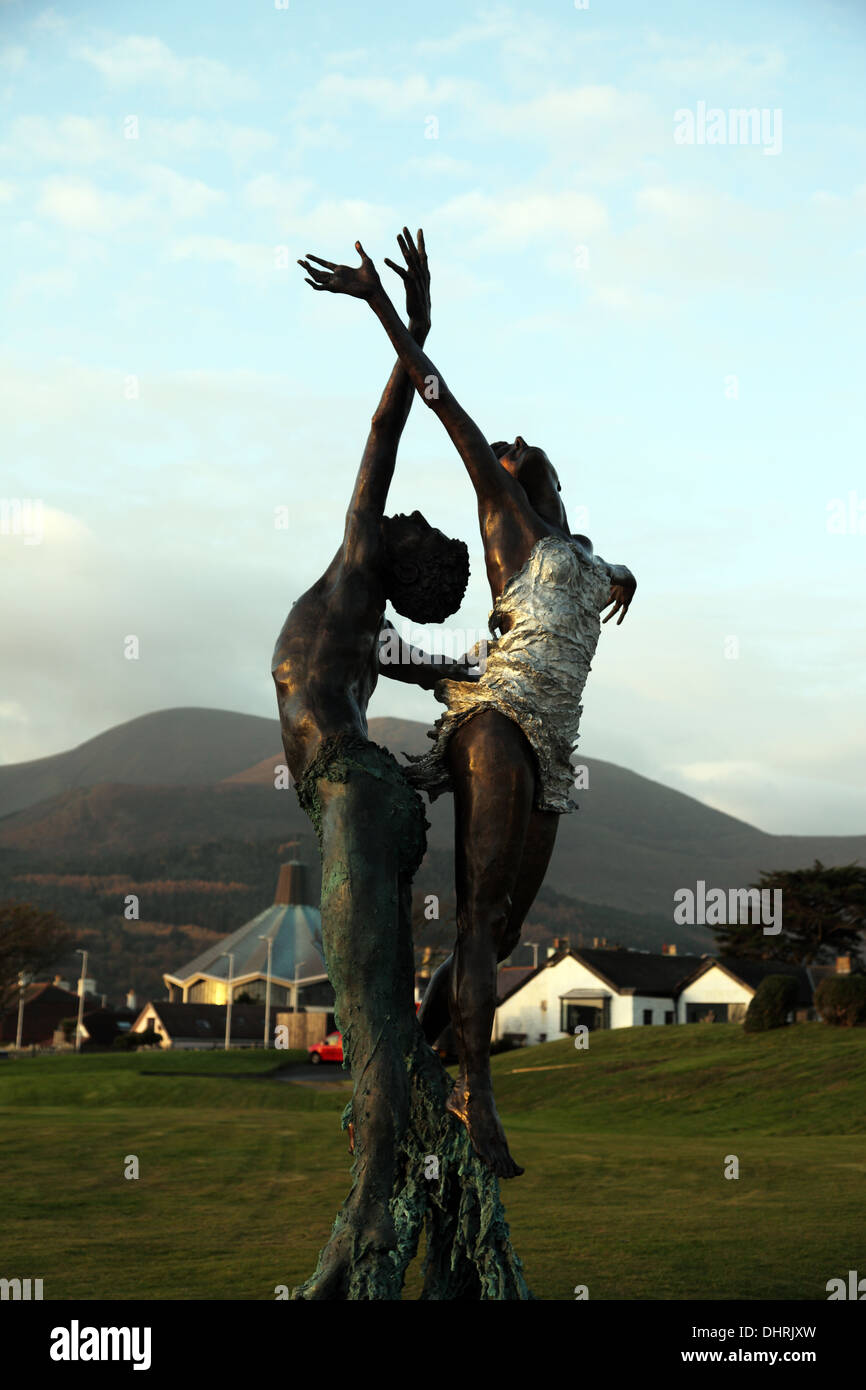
[(426, 573), (531, 467)]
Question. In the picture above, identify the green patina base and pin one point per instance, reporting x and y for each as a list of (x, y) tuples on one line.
[(415, 1168)]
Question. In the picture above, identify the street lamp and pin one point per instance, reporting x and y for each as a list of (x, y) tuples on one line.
[(83, 954), (24, 978), (231, 960), (270, 941)]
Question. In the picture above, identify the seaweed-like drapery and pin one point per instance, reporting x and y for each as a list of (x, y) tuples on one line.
[(469, 1253), (415, 1168)]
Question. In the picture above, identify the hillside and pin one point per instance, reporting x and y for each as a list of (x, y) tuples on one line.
[(196, 776), (181, 808), (171, 746)]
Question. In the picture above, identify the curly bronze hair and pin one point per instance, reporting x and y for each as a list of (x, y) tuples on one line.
[(426, 572)]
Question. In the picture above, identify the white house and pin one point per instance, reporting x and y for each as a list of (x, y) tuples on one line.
[(723, 989), (624, 989)]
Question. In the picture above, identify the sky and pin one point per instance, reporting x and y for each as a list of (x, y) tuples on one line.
[(669, 300)]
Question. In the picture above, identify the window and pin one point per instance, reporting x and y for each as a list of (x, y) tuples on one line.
[(669, 1015), (647, 1015)]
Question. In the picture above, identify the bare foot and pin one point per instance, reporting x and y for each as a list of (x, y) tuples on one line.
[(477, 1112)]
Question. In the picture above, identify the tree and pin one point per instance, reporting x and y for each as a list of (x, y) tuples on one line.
[(841, 1000), (823, 915), (771, 1003), (31, 940)]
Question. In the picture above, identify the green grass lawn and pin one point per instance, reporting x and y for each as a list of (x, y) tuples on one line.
[(624, 1146)]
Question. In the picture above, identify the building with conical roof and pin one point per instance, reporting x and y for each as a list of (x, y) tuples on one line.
[(293, 926)]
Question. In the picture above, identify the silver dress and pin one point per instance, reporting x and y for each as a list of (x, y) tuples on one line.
[(535, 671)]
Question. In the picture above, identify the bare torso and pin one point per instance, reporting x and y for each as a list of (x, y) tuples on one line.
[(325, 664)]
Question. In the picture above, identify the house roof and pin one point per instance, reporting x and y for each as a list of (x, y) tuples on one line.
[(206, 1022), (641, 972), (45, 1006), (296, 931), (752, 972), (47, 993), (509, 978), (636, 972)]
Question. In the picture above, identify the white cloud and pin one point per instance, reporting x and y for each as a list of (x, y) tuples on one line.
[(313, 226), (621, 299), (483, 31), (194, 134), (76, 140), (13, 57), (79, 205), (252, 261), (136, 59), (13, 712), (50, 283), (684, 60), (69, 140), (50, 21), (8, 191), (391, 96), (183, 197), (521, 220), (439, 166)]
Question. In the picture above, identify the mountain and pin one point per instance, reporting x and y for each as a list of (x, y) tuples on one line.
[(175, 747), (194, 777)]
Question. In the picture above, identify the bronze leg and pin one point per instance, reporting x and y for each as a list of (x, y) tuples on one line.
[(493, 770)]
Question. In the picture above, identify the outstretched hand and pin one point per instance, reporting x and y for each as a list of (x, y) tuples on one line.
[(622, 592), (416, 276), (358, 281)]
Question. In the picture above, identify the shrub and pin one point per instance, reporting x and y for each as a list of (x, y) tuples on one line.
[(773, 1000), (841, 1000)]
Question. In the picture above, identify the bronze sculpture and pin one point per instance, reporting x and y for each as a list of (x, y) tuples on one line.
[(372, 832), (503, 745)]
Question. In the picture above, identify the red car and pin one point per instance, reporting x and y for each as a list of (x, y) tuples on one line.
[(330, 1049)]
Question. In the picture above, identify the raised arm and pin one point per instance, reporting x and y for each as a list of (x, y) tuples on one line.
[(376, 469), (492, 483)]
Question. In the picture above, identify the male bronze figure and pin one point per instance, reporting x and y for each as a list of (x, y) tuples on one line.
[(369, 821)]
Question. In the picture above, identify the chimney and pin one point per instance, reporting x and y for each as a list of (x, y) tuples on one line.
[(130, 999), (292, 885), (843, 965)]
